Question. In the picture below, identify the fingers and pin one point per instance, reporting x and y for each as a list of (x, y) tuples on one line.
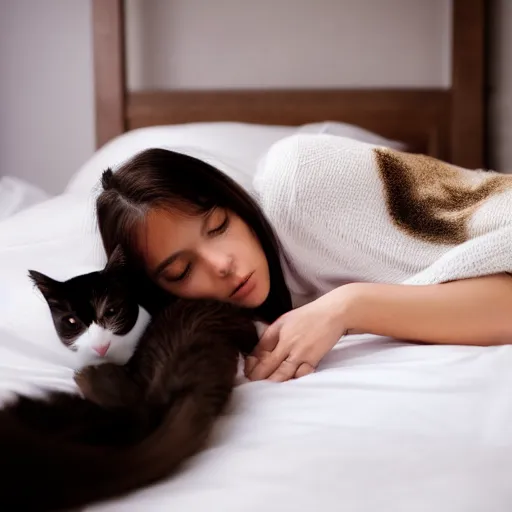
[(250, 363), (285, 371), (291, 370), (268, 340), (267, 364), (272, 360), (263, 349), (304, 369)]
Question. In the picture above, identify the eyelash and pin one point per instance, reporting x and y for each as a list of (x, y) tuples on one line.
[(220, 229), (182, 276), (216, 231)]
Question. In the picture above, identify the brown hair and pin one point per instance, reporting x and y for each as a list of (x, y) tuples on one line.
[(160, 178)]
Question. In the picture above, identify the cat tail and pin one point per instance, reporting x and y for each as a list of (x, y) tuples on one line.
[(46, 472), (183, 432)]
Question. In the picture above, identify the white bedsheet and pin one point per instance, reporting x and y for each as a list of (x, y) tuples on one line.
[(382, 426)]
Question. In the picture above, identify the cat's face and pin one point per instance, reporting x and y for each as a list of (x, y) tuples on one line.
[(94, 315)]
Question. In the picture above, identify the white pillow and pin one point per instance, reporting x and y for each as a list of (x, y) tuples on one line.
[(235, 147), (239, 143), (17, 194)]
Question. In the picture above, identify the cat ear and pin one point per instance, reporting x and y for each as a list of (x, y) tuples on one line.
[(47, 286), (116, 262)]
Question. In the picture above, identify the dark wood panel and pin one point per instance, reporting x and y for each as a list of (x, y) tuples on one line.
[(418, 117), (468, 82), (109, 68), (446, 123)]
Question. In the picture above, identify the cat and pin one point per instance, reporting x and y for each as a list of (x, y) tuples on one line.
[(152, 386)]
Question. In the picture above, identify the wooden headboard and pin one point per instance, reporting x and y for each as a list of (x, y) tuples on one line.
[(448, 123)]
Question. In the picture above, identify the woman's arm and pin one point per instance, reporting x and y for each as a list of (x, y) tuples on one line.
[(468, 312)]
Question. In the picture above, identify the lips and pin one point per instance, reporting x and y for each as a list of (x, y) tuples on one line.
[(241, 286)]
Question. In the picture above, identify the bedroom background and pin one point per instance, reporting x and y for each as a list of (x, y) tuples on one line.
[(393, 426), (46, 84)]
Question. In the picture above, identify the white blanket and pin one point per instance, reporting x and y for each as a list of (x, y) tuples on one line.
[(381, 427)]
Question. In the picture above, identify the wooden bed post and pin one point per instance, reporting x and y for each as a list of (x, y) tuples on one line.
[(468, 82), (109, 68)]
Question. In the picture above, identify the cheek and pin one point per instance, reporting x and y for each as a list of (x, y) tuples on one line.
[(249, 250), (242, 243)]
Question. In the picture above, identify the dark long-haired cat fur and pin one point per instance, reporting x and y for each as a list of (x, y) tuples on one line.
[(142, 415)]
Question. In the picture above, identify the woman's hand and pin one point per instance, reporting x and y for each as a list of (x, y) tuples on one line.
[(468, 312), (296, 342)]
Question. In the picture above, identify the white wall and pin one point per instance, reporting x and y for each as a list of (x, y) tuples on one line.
[(46, 89), (46, 81), (288, 43)]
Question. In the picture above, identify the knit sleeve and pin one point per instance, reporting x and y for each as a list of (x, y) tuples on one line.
[(346, 211), (321, 194), (308, 179)]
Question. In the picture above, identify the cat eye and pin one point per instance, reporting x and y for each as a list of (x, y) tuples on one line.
[(71, 323), (110, 312)]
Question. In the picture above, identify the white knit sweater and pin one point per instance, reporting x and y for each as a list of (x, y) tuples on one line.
[(348, 211)]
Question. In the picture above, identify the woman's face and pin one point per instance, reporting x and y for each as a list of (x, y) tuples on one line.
[(211, 256)]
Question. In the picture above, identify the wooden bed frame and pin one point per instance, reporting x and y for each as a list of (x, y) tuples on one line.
[(446, 123)]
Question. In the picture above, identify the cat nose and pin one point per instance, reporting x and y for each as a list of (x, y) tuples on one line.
[(102, 349)]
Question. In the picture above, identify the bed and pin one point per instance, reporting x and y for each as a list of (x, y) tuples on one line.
[(383, 425)]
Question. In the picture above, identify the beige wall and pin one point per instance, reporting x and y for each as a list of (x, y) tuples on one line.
[(288, 43), (46, 81), (46, 89)]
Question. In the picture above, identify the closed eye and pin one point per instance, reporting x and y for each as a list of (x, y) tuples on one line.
[(217, 230), (180, 277), (221, 227)]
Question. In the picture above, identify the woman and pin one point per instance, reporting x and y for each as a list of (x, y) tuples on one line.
[(367, 239)]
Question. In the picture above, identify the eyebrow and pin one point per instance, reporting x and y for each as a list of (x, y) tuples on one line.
[(164, 264), (170, 259)]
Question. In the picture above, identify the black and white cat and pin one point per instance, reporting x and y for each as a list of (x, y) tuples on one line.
[(152, 388), (96, 317)]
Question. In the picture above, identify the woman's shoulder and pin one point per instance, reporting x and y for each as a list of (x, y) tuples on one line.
[(302, 169), (307, 147), (314, 189), (294, 157)]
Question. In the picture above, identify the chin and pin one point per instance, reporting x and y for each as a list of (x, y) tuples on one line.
[(257, 300)]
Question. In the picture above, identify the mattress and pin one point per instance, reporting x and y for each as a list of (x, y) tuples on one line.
[(381, 426)]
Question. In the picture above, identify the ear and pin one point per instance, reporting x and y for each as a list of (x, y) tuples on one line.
[(117, 261), (47, 286)]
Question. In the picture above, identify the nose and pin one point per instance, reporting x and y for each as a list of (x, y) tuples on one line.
[(101, 350), (222, 264)]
